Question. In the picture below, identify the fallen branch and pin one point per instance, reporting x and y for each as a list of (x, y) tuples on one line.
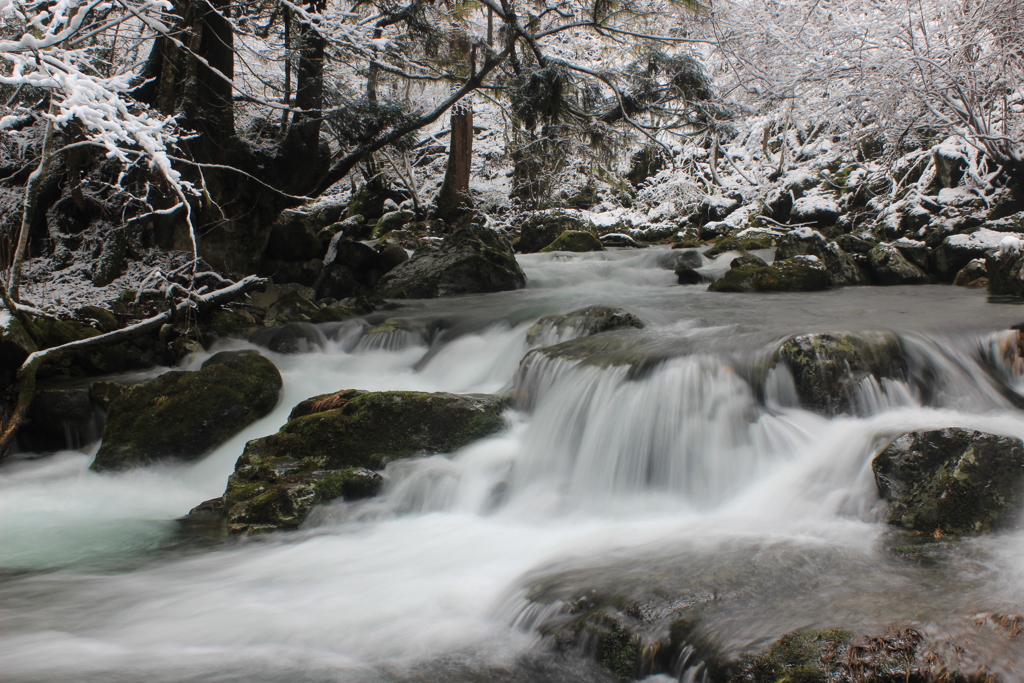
[(25, 384)]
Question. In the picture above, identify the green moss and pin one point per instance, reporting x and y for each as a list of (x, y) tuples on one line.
[(826, 368), (734, 244), (952, 481), (331, 442), (184, 415), (791, 275), (576, 241), (801, 657)]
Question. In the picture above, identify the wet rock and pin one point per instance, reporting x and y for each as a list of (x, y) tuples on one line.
[(857, 244), (797, 274), (332, 442), (974, 274), (391, 255), (103, 393), (956, 251), (100, 318), (916, 253), (1005, 272), (352, 228), (542, 228), (799, 657), (827, 368), (716, 208), (394, 334), (889, 267), (819, 210), (748, 261), (676, 258), (293, 238), (553, 329), (394, 220), (206, 520), (350, 268), (183, 415), (290, 338), (59, 419), (735, 244), (715, 230), (842, 269), (620, 239), (685, 275), (472, 260), (957, 481), (575, 240)]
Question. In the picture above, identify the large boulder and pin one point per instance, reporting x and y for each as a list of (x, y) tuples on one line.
[(889, 267), (472, 260), (58, 419), (542, 228), (842, 268), (828, 368), (554, 329), (957, 481), (350, 268), (956, 251), (816, 209), (184, 415), (575, 240), (797, 274), (332, 443)]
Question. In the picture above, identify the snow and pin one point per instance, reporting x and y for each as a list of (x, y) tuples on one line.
[(1010, 244), (981, 239), (814, 204), (5, 318), (806, 233)]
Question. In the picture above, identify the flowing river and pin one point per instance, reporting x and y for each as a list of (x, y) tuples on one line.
[(674, 472)]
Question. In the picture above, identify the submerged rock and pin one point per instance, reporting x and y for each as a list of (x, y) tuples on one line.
[(828, 368), (332, 442), (472, 260), (582, 323), (184, 415), (797, 274), (686, 275), (957, 481), (575, 240)]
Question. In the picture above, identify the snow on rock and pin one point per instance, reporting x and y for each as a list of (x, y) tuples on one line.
[(5, 318), (984, 239), (815, 208), (1010, 244)]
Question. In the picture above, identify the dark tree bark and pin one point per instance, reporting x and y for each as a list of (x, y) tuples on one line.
[(454, 198)]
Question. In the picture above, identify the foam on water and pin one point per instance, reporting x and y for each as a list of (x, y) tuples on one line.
[(686, 459)]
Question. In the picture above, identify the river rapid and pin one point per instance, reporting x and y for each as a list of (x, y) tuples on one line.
[(676, 473)]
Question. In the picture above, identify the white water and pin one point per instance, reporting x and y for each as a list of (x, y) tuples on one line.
[(682, 467)]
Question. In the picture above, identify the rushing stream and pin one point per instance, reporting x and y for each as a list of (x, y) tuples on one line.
[(680, 471)]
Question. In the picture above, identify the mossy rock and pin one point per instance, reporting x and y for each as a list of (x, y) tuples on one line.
[(798, 274), (394, 220), (471, 260), (800, 657), (103, 320), (331, 442), (827, 368), (734, 244), (184, 415), (581, 323), (889, 267), (543, 227), (576, 241), (956, 481), (104, 393)]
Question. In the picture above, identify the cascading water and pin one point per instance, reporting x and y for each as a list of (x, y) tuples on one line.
[(675, 464)]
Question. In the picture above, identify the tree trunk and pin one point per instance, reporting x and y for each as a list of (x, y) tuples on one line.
[(454, 198)]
